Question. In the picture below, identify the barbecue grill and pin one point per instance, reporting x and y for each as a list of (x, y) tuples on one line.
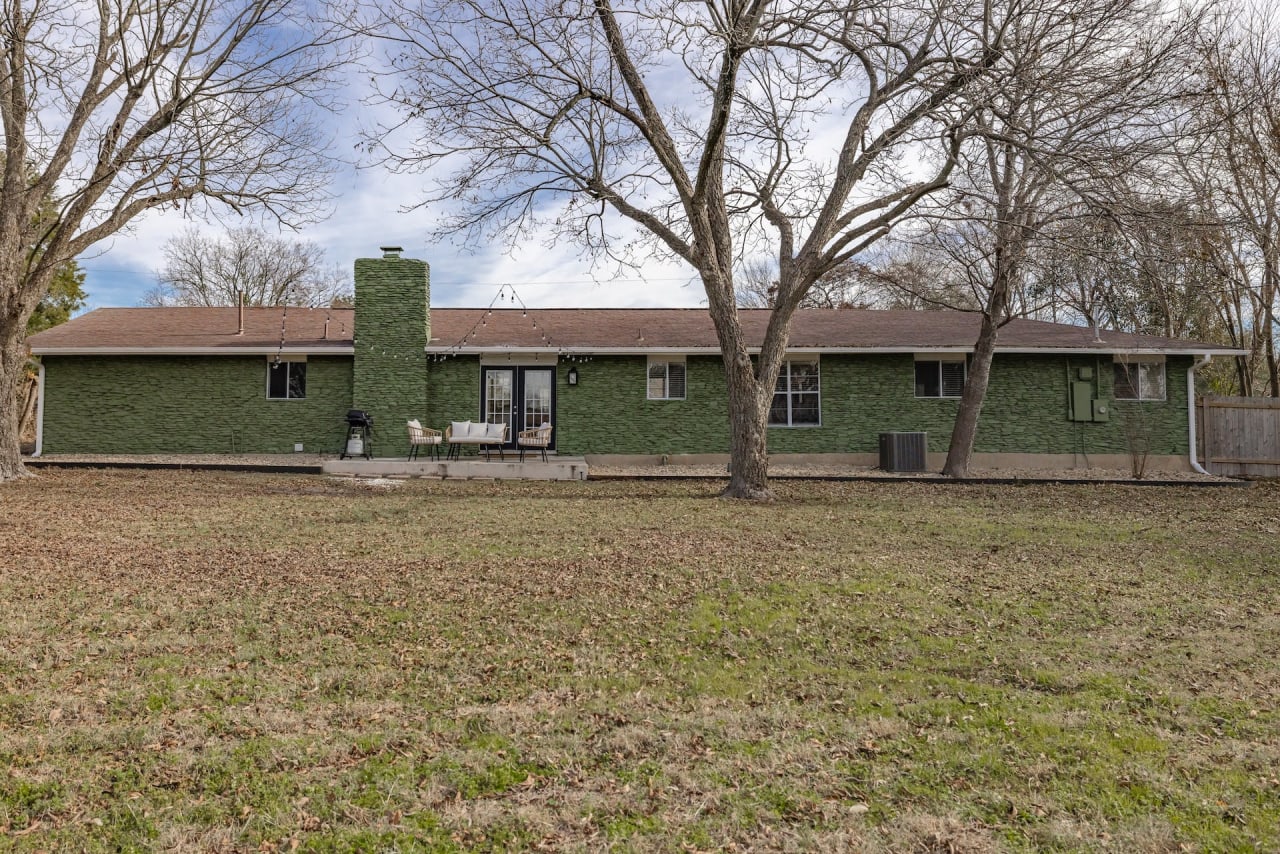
[(359, 442)]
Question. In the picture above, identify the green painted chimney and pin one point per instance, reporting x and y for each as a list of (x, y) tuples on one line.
[(392, 327)]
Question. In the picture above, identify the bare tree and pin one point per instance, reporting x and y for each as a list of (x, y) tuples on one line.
[(909, 273), (1234, 175), (1145, 267), (724, 130), (1083, 272), (757, 283), (248, 264), (1084, 103), (844, 286), (111, 110)]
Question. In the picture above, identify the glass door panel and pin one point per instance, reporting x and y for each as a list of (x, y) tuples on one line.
[(519, 397), (499, 395), (536, 400)]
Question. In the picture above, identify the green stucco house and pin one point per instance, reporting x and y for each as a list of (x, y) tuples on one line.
[(640, 384)]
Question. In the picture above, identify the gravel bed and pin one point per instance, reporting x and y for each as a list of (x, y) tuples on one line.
[(780, 471), (301, 460), (833, 471)]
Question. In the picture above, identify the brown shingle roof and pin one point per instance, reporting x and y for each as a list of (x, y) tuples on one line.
[(200, 329), (591, 329), (839, 329)]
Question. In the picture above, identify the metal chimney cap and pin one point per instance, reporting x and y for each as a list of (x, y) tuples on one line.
[(391, 251)]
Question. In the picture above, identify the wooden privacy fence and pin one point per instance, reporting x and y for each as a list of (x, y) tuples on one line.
[(1240, 435)]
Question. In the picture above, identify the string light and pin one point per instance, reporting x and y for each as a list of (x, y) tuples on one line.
[(284, 317), (455, 349), (506, 293)]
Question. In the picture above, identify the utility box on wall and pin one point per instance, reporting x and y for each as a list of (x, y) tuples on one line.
[(1084, 406), (1082, 400)]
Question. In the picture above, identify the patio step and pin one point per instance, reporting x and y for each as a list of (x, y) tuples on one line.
[(557, 468)]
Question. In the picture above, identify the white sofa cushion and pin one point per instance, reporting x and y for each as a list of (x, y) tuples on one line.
[(459, 429), (494, 431)]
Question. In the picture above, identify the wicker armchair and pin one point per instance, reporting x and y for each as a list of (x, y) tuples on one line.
[(538, 438), (420, 436)]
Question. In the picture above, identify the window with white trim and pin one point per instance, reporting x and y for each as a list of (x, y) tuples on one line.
[(666, 379), (940, 375), (286, 379), (797, 398), (1139, 378)]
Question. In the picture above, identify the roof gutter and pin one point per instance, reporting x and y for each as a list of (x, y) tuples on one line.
[(1191, 413), (258, 350), (436, 349)]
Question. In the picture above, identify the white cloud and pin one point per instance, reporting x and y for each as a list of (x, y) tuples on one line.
[(370, 212), (372, 207)]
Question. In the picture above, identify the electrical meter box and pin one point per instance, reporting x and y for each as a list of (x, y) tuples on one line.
[(1082, 401), (1102, 410)]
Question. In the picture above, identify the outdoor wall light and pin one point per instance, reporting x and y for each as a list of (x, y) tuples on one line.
[(572, 377)]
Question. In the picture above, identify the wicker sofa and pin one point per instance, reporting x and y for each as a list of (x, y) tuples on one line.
[(476, 433)]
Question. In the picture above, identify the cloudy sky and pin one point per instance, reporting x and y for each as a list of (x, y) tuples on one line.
[(370, 210), (368, 213)]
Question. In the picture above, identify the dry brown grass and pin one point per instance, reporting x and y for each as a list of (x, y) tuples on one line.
[(198, 661)]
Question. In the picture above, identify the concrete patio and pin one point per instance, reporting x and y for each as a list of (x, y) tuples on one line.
[(533, 468)]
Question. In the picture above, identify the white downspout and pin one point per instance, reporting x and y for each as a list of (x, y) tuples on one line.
[(1191, 411), (39, 413)]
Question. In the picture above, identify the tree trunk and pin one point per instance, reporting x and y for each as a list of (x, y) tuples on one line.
[(13, 364), (20, 290), (975, 392), (1267, 300), (748, 426), (1242, 374), (1269, 353), (30, 390)]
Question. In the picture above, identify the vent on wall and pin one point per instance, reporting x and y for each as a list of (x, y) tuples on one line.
[(903, 451)]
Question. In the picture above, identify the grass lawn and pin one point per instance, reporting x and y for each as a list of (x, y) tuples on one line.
[(209, 661)]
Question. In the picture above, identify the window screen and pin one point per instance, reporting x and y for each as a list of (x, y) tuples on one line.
[(666, 380), (940, 377)]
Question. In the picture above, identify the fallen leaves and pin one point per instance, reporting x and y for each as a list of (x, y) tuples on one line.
[(250, 662)]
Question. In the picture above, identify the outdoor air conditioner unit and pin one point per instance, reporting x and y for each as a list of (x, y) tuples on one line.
[(903, 451)]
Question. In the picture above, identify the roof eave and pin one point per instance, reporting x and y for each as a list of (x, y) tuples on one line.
[(715, 351), (290, 349), (348, 350)]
